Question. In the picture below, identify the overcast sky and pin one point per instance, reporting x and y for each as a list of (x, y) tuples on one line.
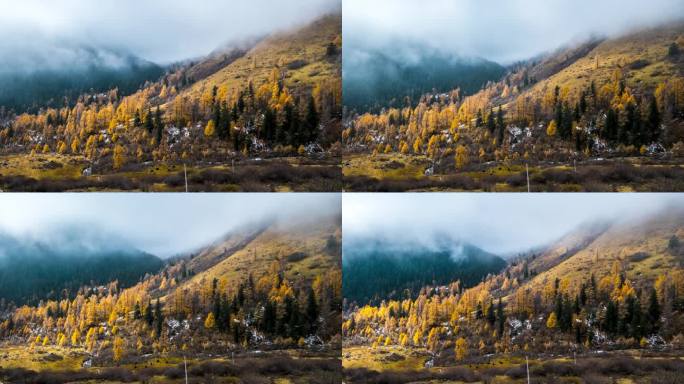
[(161, 224), (500, 30), (496, 222), (162, 31)]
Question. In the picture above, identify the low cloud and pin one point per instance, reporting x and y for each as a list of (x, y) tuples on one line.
[(163, 225), (47, 34), (500, 223), (501, 31)]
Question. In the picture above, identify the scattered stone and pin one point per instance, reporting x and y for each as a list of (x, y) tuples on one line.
[(393, 165), (394, 357), (51, 165), (52, 357)]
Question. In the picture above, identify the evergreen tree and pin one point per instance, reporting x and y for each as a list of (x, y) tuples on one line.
[(137, 315), (270, 318), (673, 50), (159, 125), (491, 124), (500, 317), (611, 320), (625, 324), (653, 121), (269, 128), (149, 316), (225, 314), (148, 123), (653, 315), (636, 327), (558, 112), (565, 124), (224, 127), (478, 311), (294, 319), (500, 126), (491, 317), (283, 129), (626, 134), (136, 119), (583, 103), (312, 312), (311, 121), (611, 127), (159, 319)]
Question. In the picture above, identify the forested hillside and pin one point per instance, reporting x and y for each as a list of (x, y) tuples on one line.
[(28, 89), (32, 271), (376, 272), (264, 286), (606, 99), (280, 97), (608, 287), (382, 81)]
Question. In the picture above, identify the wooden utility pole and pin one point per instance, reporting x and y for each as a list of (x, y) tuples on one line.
[(527, 365), (185, 363), (527, 171), (185, 172)]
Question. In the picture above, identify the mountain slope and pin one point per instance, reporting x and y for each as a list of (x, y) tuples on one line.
[(302, 52), (31, 271), (375, 272), (640, 248), (278, 98), (642, 58), (93, 70), (380, 80), (304, 250)]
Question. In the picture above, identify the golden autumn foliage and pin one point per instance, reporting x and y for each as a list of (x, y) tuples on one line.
[(118, 349), (461, 349)]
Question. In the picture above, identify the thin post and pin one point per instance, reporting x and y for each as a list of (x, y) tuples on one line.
[(527, 365), (185, 172), (185, 363), (527, 171)]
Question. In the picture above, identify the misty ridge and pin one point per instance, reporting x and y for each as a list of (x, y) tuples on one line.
[(56, 264), (377, 269), (379, 266), (56, 259), (56, 73), (66, 50), (400, 75), (402, 245), (438, 46)]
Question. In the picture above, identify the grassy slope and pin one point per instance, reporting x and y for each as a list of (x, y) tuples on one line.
[(22, 357), (308, 44), (618, 243), (650, 45), (37, 166), (256, 255)]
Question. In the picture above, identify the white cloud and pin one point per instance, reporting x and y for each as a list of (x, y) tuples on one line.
[(158, 30), (497, 222), (498, 30), (162, 224)]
